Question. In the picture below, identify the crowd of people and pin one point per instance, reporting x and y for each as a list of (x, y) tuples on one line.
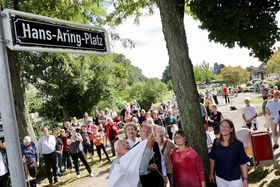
[(155, 149)]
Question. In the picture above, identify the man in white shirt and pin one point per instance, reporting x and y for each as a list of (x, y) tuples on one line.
[(249, 114), (155, 174), (273, 108), (46, 146), (214, 95)]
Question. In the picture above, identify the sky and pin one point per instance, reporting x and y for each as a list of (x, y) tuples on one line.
[(150, 53)]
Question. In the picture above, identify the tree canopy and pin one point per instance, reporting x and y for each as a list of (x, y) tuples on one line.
[(273, 64), (166, 75), (234, 76), (73, 84), (249, 23)]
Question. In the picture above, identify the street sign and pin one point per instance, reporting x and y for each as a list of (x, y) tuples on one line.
[(30, 32)]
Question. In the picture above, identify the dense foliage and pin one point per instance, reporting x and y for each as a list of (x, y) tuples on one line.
[(234, 76), (166, 75), (148, 93), (249, 23), (73, 84), (273, 64)]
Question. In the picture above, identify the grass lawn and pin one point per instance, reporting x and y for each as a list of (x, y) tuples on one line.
[(67, 179), (258, 100)]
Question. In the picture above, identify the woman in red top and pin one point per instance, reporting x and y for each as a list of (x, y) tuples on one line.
[(111, 130), (66, 160), (187, 168), (226, 93)]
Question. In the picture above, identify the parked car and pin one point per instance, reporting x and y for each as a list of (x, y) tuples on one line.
[(253, 81)]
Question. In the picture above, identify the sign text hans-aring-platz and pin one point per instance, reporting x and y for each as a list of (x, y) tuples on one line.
[(32, 33)]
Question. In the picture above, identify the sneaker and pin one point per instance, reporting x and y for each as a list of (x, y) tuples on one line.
[(72, 169), (275, 146), (91, 174), (255, 129), (55, 180), (78, 176), (101, 162)]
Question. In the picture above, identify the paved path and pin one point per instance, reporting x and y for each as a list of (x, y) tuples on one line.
[(236, 115)]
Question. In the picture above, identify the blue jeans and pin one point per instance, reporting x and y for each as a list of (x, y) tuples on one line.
[(58, 157)]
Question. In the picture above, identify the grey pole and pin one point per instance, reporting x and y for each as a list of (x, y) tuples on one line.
[(9, 116)]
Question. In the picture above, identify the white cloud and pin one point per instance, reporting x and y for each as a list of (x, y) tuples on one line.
[(150, 53)]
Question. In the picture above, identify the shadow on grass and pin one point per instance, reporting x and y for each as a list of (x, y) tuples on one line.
[(277, 172), (263, 183), (258, 175), (103, 172), (274, 183), (70, 180)]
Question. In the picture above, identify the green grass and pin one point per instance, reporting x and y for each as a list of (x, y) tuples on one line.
[(67, 179), (257, 100), (258, 174)]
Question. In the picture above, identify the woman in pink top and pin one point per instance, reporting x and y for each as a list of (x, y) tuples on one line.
[(187, 166), (90, 131)]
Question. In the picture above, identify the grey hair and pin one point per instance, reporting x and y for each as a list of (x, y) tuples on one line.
[(27, 139), (161, 127), (116, 145)]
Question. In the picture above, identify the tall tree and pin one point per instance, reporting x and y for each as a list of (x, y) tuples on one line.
[(234, 76), (172, 18)]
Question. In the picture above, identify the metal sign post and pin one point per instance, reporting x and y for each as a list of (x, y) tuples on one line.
[(9, 116), (23, 31)]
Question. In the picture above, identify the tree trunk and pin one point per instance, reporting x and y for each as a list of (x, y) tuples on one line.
[(66, 115), (172, 18), (23, 118)]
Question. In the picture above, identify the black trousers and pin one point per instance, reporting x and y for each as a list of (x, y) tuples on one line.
[(66, 160), (112, 143), (227, 99), (32, 169), (98, 149), (50, 166), (169, 133), (215, 99), (4, 180), (92, 147), (75, 157), (87, 148)]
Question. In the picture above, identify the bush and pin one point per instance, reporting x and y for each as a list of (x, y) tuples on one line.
[(249, 84), (277, 84), (147, 93)]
